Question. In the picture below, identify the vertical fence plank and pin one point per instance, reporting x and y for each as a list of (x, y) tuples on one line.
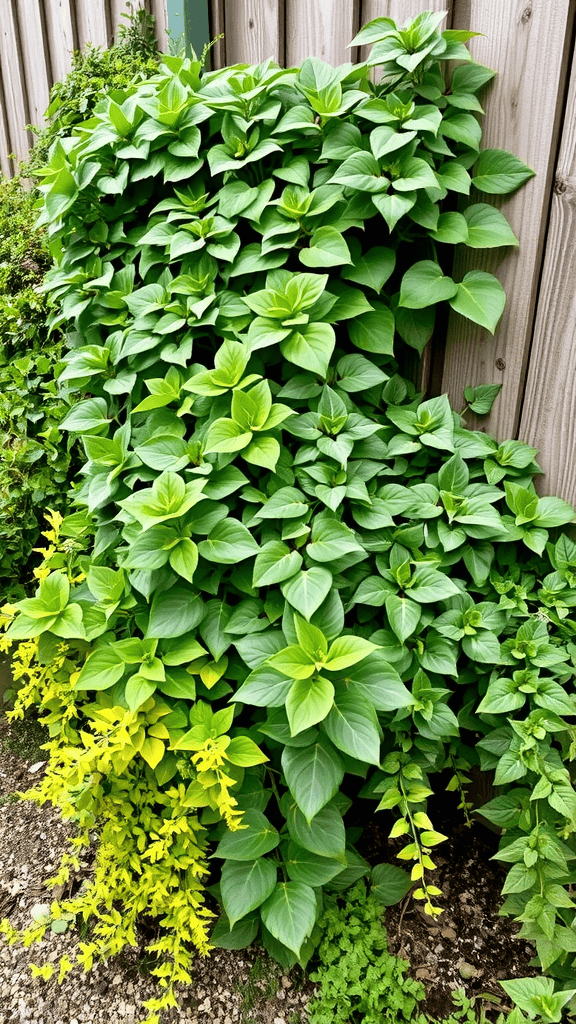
[(117, 9), (93, 22), (254, 31), (5, 162), (61, 32), (159, 9), (549, 409), (217, 28), (527, 42), (35, 59), (321, 30), (16, 101), (401, 10)]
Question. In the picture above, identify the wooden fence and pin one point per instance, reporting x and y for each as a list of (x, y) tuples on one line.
[(530, 110), (37, 39)]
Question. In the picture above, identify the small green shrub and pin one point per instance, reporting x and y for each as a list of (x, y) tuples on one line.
[(290, 581)]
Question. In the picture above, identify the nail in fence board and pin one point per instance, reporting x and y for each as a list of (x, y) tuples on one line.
[(549, 410), (527, 43)]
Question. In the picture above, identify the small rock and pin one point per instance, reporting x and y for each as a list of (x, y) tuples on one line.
[(448, 933), (467, 971)]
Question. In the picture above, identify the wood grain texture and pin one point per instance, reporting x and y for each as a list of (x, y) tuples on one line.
[(401, 10), (61, 32), (548, 418), (527, 42), (254, 31), (15, 98), (93, 22), (5, 162), (217, 28), (322, 29), (117, 9), (35, 58), (159, 10)]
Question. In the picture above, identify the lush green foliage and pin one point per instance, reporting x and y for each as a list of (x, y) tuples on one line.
[(94, 73), (35, 457), (300, 583)]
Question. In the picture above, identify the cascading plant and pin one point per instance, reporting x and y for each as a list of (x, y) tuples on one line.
[(301, 583)]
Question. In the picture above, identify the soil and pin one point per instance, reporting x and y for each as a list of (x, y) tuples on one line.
[(468, 947)]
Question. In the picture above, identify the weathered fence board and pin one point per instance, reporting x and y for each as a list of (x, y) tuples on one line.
[(320, 30), (60, 30), (254, 31), (15, 98), (93, 24), (35, 59), (527, 43), (549, 409)]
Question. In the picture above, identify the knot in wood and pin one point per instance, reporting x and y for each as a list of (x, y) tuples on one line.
[(500, 364), (527, 13), (560, 186)]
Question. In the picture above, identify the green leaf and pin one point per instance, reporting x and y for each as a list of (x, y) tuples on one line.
[(313, 775), (487, 227), (482, 397), (307, 867), (331, 539), (327, 249), (91, 414), (311, 347), (240, 936), (102, 669), (308, 702), (264, 687), (481, 298), (174, 613), (371, 269), (347, 651), (499, 172), (245, 885), (353, 727), (403, 616), (424, 284), (290, 913), (307, 590), (255, 838), (390, 884), (275, 563), (374, 332), (263, 451), (229, 542), (324, 835), (242, 751)]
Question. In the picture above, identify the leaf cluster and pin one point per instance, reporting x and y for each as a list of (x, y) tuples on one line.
[(299, 583)]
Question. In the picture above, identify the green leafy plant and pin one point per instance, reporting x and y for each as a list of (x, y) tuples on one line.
[(291, 582)]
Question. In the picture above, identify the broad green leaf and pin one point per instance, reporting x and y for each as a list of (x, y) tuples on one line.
[(352, 726), (229, 542), (313, 775), (390, 884), (174, 613), (371, 269), (275, 563), (499, 172), (310, 868), (327, 249), (311, 347), (308, 702), (102, 669), (307, 590), (254, 839), (403, 616), (264, 687), (289, 913), (481, 298), (347, 651), (245, 885), (425, 284), (487, 227), (324, 835), (374, 332)]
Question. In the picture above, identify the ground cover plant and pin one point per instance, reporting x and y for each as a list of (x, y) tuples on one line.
[(290, 582)]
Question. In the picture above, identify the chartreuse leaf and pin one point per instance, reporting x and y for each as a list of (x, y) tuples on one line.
[(307, 590)]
